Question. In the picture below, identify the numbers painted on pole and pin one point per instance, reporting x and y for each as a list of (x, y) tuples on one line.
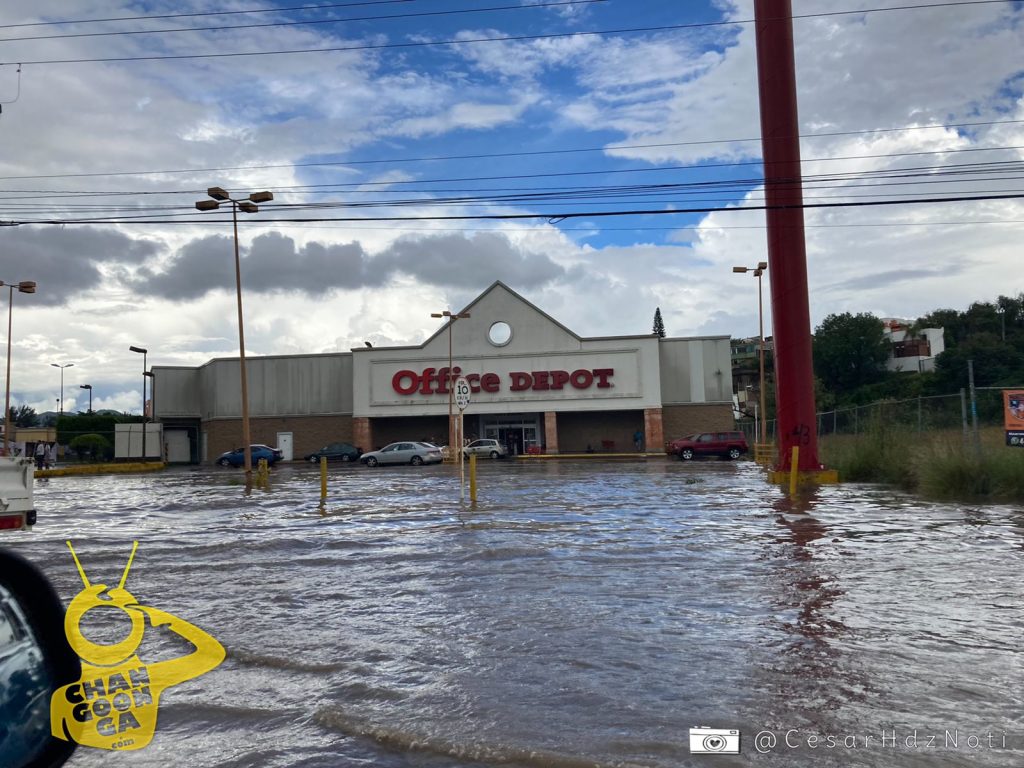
[(461, 393), (802, 433)]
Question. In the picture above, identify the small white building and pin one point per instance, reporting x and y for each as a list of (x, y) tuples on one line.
[(912, 353)]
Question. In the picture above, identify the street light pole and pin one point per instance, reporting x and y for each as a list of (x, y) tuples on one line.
[(62, 367), (143, 352), (758, 272), (25, 286), (218, 196), (452, 317), (89, 387)]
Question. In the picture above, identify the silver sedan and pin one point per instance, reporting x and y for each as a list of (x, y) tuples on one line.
[(403, 453)]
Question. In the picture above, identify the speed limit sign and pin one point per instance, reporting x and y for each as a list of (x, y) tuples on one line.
[(461, 393)]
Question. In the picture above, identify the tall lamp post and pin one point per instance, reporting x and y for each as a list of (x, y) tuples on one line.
[(62, 367), (25, 286), (219, 196), (758, 272), (142, 352), (89, 387), (452, 317)]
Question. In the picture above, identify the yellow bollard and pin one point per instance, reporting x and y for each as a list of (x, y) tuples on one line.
[(793, 473), (323, 478), (262, 473), (472, 478)]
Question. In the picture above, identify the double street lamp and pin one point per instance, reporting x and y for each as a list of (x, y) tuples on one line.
[(219, 195), (145, 373), (89, 387), (62, 367), (758, 272), (25, 286), (452, 317)]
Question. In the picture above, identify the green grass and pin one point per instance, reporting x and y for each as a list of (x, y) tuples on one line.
[(937, 465)]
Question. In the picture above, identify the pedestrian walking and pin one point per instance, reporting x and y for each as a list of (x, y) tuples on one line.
[(40, 455), (50, 458), (638, 440)]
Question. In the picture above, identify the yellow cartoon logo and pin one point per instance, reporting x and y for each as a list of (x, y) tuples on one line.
[(114, 705)]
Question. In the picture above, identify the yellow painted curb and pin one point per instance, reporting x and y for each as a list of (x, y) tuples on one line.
[(533, 456), (102, 469)]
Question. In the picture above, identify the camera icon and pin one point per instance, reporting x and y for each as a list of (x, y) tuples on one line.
[(704, 740)]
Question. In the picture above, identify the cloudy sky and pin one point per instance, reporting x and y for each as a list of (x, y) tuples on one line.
[(373, 121)]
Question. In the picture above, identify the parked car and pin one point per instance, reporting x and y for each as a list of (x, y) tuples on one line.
[(729, 445), (403, 453), (334, 452), (236, 458), (485, 447)]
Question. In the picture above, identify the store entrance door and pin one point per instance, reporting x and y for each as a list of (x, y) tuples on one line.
[(519, 433)]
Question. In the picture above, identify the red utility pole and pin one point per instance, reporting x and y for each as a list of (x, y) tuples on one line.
[(796, 423)]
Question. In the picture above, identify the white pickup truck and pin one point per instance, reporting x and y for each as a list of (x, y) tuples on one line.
[(17, 510)]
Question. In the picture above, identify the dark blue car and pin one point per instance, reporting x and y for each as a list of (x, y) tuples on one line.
[(236, 458)]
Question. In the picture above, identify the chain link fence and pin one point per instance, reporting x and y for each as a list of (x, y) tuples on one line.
[(919, 414)]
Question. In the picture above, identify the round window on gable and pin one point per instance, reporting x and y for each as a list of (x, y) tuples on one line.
[(500, 333)]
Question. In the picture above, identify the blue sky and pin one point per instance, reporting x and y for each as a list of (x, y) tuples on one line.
[(591, 118)]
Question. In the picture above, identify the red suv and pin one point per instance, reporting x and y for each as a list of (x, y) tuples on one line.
[(729, 445)]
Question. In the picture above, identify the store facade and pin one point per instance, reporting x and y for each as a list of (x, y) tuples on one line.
[(535, 385)]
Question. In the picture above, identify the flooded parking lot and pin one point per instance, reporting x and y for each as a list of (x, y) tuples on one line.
[(583, 614)]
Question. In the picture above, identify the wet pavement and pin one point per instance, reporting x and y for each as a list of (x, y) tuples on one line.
[(585, 613)]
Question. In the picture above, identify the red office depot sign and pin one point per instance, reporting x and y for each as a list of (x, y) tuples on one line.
[(435, 382)]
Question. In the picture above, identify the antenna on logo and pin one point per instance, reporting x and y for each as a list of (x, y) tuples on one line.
[(124, 576), (81, 570)]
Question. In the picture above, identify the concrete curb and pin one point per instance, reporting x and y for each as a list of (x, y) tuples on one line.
[(637, 455), (102, 469)]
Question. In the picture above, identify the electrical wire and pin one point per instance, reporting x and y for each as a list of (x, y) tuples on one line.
[(124, 220), (503, 39), (305, 22)]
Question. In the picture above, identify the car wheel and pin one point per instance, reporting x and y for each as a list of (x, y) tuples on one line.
[(224, 463), (494, 454), (734, 453), (371, 462), (686, 454), (346, 457), (415, 461), (314, 459)]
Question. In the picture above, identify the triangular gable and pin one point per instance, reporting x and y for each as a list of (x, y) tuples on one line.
[(532, 328)]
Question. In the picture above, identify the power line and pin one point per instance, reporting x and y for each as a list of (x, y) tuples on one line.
[(341, 163), (304, 22), (505, 39), (204, 13), (552, 218)]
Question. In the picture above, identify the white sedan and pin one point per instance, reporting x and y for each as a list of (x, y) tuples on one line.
[(403, 453)]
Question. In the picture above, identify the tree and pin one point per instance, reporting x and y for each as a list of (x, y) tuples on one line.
[(659, 326), (995, 363), (23, 416), (850, 351)]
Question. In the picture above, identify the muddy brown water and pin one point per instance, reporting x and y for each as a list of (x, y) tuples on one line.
[(585, 613)]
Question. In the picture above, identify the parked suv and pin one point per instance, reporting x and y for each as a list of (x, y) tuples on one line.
[(729, 445), (486, 447)]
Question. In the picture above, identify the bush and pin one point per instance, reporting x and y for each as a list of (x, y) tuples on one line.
[(92, 446)]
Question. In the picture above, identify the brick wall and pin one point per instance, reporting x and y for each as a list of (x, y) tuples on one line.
[(681, 420)]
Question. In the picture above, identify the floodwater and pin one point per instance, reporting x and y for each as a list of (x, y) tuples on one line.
[(585, 613)]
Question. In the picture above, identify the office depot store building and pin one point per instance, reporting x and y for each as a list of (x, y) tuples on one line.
[(535, 385)]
